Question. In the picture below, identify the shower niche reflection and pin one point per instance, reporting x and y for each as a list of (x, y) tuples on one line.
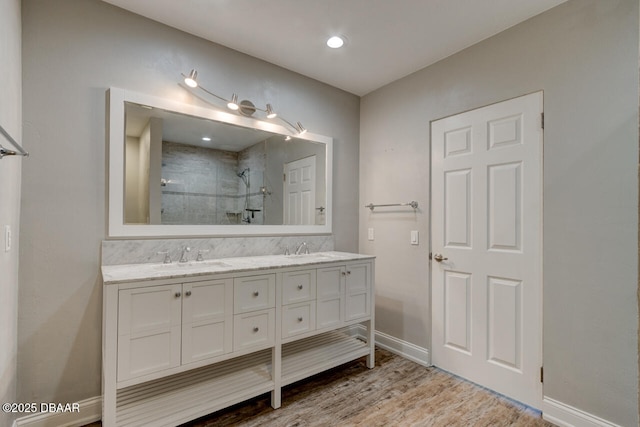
[(234, 176)]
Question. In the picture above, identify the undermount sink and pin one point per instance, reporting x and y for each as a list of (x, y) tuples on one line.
[(211, 263), (316, 255)]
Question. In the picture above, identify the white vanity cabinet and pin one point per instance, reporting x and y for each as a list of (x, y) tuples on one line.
[(298, 302), (165, 326), (175, 349), (254, 299), (358, 291), (344, 294)]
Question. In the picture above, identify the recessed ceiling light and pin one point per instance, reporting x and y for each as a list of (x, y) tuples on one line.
[(206, 138), (335, 42)]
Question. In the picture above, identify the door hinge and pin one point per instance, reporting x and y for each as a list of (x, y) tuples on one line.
[(542, 120), (542, 374), (284, 177), (430, 255)]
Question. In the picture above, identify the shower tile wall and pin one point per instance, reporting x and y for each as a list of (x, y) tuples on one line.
[(201, 185)]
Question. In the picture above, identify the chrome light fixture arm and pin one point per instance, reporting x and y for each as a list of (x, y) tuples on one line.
[(191, 81)]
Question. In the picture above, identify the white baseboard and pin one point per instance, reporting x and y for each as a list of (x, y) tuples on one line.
[(90, 411), (564, 415), (402, 348)]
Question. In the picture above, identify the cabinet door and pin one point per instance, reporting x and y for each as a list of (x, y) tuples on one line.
[(148, 330), (298, 286), (207, 309), (358, 295), (254, 293), (330, 297)]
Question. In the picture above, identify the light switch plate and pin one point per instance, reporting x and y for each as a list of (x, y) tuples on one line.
[(370, 234), (7, 238), (414, 237)]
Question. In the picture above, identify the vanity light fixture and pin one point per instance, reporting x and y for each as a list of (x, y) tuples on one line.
[(301, 129), (233, 104), (270, 113), (192, 79), (245, 107), (206, 138)]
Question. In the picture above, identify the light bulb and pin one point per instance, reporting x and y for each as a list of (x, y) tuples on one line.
[(190, 80), (335, 42)]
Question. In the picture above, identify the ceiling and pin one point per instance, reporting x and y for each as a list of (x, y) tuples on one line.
[(189, 130), (386, 39)]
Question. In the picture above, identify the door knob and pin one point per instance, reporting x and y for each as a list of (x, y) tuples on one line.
[(439, 258)]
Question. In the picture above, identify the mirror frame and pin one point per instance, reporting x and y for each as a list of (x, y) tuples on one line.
[(116, 227)]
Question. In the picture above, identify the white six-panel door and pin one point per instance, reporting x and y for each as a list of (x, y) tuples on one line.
[(487, 246), (300, 191)]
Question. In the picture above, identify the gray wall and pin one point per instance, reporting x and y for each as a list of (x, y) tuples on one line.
[(584, 55), (11, 121), (73, 51)]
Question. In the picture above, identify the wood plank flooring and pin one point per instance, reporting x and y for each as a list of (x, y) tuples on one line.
[(397, 392)]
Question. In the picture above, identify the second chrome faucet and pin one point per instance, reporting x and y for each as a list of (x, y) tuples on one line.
[(300, 247)]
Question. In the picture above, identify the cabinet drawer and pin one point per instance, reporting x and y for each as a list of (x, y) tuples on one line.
[(254, 293), (298, 319), (298, 286), (254, 329)]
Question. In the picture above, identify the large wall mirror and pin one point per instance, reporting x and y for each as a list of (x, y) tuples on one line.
[(178, 169)]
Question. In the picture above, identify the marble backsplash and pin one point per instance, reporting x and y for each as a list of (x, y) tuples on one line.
[(118, 252)]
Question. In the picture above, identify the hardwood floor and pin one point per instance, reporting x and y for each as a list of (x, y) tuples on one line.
[(397, 392)]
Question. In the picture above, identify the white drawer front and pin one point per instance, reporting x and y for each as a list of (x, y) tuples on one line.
[(254, 329), (298, 286), (298, 319), (254, 293)]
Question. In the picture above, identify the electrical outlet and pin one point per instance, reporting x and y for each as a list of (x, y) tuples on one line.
[(370, 234), (7, 238)]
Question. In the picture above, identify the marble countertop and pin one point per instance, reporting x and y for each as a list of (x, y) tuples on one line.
[(114, 274)]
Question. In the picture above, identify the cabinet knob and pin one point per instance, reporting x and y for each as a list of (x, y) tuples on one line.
[(348, 272), (177, 294), (188, 293), (256, 293), (299, 287), (256, 329), (344, 273), (299, 319)]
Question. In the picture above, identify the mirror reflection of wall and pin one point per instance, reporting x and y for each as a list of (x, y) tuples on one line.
[(281, 153), (142, 148)]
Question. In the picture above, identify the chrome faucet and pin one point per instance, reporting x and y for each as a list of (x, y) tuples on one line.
[(167, 257), (185, 249), (302, 245), (200, 258)]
